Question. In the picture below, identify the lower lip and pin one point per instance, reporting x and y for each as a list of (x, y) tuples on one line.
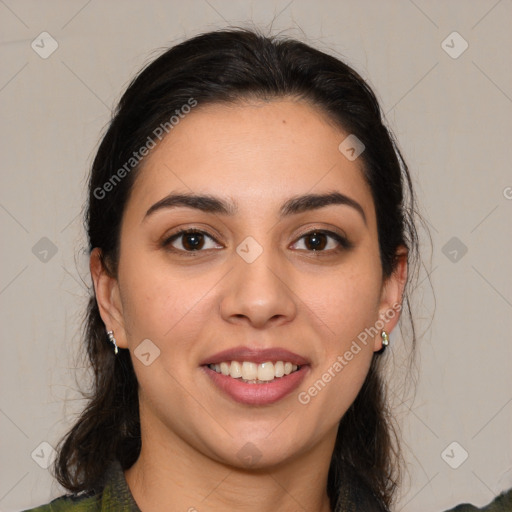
[(257, 394)]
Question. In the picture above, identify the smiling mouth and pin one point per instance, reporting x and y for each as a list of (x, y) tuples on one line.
[(254, 373)]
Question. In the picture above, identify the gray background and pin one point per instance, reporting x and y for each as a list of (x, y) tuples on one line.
[(452, 117)]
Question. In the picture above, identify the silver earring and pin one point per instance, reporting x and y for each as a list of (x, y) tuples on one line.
[(385, 339), (112, 340)]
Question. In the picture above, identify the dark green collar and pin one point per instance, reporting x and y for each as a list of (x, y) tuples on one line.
[(114, 495)]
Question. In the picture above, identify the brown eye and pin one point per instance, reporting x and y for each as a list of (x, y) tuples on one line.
[(191, 240), (322, 241), (315, 241)]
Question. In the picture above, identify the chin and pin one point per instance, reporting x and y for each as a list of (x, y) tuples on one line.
[(258, 454)]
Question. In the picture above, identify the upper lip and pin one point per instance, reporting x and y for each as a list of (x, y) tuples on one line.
[(255, 355)]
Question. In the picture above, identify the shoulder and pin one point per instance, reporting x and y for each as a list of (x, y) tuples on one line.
[(72, 502), (503, 503), (111, 494)]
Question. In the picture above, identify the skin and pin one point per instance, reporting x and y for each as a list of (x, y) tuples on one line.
[(258, 155)]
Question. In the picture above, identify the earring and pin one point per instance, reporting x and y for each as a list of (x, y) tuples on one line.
[(112, 340), (385, 339)]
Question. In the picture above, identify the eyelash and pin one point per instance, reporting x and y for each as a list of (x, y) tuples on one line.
[(343, 242)]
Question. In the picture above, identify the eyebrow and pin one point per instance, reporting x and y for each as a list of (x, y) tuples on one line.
[(212, 204)]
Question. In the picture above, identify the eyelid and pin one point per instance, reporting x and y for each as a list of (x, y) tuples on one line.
[(319, 229), (168, 239)]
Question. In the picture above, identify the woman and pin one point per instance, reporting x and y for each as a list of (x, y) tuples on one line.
[(251, 229)]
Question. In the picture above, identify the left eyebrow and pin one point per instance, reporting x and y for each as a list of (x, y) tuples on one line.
[(295, 205), (307, 202)]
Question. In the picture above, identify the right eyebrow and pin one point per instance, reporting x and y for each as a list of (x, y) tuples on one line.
[(205, 203)]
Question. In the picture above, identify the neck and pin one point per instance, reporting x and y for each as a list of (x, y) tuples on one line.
[(171, 475)]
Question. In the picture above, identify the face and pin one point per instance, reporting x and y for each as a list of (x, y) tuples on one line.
[(279, 271)]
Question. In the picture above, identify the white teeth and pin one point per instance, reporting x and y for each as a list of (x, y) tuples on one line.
[(236, 370), (279, 368), (249, 370), (266, 371), (254, 373)]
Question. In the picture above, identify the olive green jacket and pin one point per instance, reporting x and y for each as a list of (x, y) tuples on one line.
[(115, 496)]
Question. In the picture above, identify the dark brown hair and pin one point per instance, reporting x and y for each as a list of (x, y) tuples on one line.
[(216, 67)]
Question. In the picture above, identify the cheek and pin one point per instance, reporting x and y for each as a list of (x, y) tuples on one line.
[(163, 305), (346, 300)]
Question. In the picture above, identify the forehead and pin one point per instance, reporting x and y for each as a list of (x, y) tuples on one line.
[(249, 151)]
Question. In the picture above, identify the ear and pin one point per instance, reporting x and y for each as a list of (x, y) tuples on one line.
[(392, 294), (106, 289)]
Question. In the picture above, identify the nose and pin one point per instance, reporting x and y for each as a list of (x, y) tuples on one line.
[(258, 293)]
